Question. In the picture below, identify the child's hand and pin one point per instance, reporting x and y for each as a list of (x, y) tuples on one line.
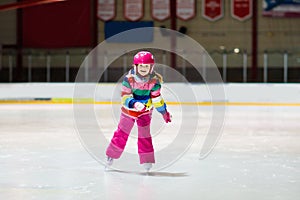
[(167, 117), (139, 106)]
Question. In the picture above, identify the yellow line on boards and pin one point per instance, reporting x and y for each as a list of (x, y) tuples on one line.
[(89, 101)]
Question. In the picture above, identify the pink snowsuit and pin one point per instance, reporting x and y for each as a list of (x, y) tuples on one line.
[(146, 91)]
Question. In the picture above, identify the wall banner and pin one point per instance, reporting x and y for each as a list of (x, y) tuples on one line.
[(160, 9), (133, 9), (106, 9), (283, 8), (212, 10), (241, 9), (186, 9)]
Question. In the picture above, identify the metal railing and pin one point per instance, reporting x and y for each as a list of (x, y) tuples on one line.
[(68, 60)]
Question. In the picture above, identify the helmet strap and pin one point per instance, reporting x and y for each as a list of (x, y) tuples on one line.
[(151, 70), (135, 69)]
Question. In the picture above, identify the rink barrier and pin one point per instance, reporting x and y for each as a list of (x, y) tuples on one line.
[(171, 103), (236, 94)]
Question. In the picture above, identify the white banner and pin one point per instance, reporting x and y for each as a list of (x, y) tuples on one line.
[(106, 9), (186, 9), (160, 9), (133, 9)]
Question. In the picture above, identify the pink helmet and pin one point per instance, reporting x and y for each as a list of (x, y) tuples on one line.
[(143, 57)]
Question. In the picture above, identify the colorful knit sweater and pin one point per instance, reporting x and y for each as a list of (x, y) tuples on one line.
[(145, 90)]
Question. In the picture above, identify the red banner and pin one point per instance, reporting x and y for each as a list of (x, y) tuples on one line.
[(160, 9), (186, 9), (133, 9), (212, 10), (106, 9), (241, 9)]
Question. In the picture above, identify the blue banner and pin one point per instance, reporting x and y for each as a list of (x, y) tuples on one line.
[(139, 36)]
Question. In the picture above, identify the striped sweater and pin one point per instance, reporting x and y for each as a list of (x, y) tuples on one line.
[(144, 90)]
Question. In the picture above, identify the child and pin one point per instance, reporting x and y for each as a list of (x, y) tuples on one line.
[(140, 92)]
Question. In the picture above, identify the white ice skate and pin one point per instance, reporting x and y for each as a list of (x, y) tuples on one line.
[(147, 166), (109, 162)]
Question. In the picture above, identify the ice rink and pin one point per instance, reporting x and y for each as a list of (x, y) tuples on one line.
[(257, 157)]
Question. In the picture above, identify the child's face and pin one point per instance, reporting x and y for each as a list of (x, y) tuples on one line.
[(144, 69)]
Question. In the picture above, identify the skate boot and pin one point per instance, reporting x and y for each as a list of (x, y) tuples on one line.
[(147, 166), (109, 162)]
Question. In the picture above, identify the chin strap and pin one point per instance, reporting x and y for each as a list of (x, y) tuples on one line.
[(151, 70), (135, 69)]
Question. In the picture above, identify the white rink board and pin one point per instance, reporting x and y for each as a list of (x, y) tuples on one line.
[(234, 92)]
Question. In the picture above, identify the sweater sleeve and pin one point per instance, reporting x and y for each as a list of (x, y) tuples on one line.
[(126, 94), (157, 100)]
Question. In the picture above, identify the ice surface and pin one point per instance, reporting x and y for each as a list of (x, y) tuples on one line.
[(257, 157)]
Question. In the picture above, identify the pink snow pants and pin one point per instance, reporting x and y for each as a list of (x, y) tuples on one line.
[(118, 142)]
